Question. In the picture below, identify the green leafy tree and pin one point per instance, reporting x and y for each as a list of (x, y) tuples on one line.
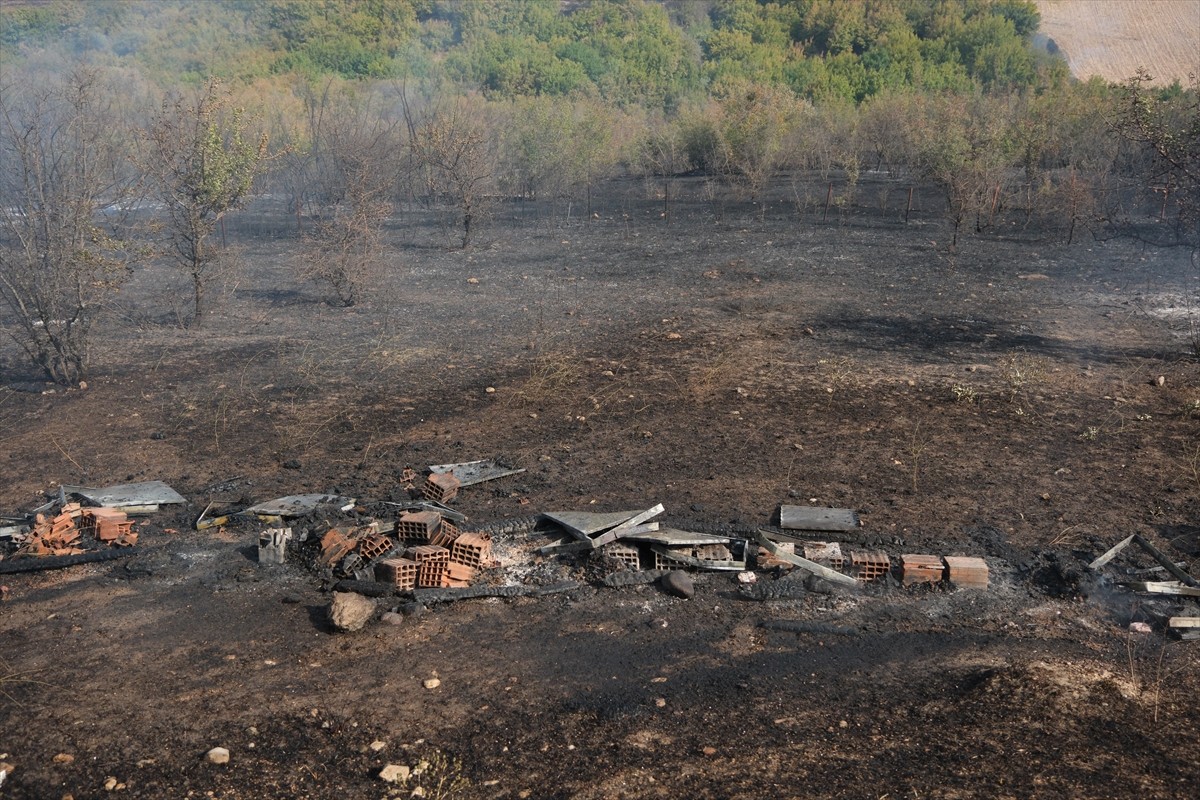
[(202, 159)]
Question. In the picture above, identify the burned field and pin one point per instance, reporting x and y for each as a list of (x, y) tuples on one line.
[(1018, 401)]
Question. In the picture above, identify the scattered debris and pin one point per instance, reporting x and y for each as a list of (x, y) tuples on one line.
[(1166, 563), (12, 565), (1185, 627)]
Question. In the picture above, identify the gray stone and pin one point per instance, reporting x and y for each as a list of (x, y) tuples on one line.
[(350, 612), (678, 583), (392, 618), (394, 773)]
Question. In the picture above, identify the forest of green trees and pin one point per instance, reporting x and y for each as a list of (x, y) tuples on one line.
[(351, 108)]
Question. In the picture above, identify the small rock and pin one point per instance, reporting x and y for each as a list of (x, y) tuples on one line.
[(673, 336), (431, 683), (63, 758), (661, 702), (394, 773), (1139, 627), (473, 281), (1161, 380), (110, 783), (350, 612), (490, 390), (158, 436), (747, 578), (218, 755), (292, 463), (843, 724), (678, 583), (709, 751), (377, 745), (392, 618)]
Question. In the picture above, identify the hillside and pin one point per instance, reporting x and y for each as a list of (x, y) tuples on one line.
[(1113, 38)]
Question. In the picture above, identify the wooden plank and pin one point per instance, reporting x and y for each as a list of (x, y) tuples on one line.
[(808, 518), (1183, 622), (1164, 587), (1167, 563), (804, 563), (1111, 554)]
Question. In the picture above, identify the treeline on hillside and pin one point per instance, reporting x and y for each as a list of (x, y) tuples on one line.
[(103, 169), (626, 52)]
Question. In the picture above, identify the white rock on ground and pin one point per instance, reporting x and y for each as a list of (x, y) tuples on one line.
[(394, 773), (218, 755)]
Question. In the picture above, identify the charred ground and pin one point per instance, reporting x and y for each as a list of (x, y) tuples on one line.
[(1002, 401)]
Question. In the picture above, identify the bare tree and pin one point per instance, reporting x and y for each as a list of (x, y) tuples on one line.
[(203, 163), (66, 185), (453, 144), (357, 162)]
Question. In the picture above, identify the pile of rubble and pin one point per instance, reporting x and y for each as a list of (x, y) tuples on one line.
[(80, 525)]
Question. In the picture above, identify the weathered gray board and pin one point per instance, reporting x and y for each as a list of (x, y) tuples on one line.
[(633, 525), (133, 498), (804, 563), (470, 473), (671, 537), (808, 518), (584, 524), (297, 505)]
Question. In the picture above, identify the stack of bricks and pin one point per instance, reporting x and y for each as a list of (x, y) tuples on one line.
[(433, 565), (870, 566), (662, 561), (110, 526), (418, 527), (399, 572), (441, 488), (967, 571), (53, 537)]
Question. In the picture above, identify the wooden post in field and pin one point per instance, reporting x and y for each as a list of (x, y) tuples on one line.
[(828, 200), (224, 244), (995, 200), (908, 208)]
